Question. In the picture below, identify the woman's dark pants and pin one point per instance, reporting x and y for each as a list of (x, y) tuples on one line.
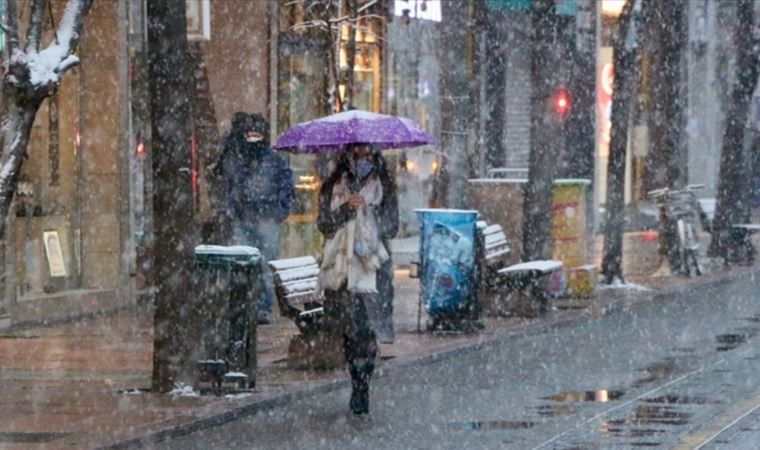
[(346, 314)]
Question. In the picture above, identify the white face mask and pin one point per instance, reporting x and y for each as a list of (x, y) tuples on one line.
[(253, 139)]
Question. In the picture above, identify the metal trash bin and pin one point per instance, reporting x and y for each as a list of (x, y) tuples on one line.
[(447, 267), (228, 279)]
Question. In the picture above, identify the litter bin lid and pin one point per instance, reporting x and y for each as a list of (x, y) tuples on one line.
[(219, 254), (583, 181)]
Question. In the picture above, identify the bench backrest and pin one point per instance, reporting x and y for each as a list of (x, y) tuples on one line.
[(295, 281), (495, 245)]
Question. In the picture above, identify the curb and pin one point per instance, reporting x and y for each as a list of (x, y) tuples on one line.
[(566, 318)]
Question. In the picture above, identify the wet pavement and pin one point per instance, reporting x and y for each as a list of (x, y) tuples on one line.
[(620, 380), (83, 383)]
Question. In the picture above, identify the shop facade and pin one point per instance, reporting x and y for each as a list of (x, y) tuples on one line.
[(80, 236)]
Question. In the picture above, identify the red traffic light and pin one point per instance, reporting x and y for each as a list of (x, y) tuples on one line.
[(561, 103)]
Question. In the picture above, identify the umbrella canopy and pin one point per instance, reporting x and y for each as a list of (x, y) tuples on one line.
[(334, 132)]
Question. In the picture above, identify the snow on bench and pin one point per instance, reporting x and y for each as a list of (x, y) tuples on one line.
[(541, 266), (747, 226), (292, 263), (295, 282)]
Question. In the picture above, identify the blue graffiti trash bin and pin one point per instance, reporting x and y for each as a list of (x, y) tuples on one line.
[(229, 280), (447, 265)]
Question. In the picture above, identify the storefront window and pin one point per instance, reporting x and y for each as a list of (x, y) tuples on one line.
[(46, 203), (304, 94)]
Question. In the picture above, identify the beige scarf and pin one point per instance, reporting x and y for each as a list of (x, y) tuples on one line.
[(355, 252)]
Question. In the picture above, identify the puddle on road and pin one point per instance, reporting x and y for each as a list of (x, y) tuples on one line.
[(657, 371), (602, 396), (679, 399), (728, 342), (491, 425), (683, 349), (632, 432), (554, 410), (652, 415)]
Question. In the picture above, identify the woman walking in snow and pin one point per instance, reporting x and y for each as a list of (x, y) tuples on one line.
[(358, 214)]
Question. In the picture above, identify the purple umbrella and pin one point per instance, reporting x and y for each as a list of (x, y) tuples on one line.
[(334, 132)]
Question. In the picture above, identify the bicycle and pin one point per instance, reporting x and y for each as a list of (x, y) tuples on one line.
[(679, 209)]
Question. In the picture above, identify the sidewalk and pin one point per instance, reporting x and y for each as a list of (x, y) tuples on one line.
[(76, 385)]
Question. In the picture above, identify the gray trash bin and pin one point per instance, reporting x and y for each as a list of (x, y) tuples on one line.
[(228, 279)]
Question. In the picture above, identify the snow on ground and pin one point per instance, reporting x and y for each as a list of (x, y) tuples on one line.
[(237, 396), (617, 284), (183, 390)]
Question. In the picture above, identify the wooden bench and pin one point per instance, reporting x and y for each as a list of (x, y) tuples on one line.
[(493, 248), (295, 281), (525, 279)]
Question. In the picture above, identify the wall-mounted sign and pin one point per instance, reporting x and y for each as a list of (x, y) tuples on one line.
[(54, 254), (198, 20), (561, 7)]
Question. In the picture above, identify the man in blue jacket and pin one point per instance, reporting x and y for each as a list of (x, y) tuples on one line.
[(259, 189)]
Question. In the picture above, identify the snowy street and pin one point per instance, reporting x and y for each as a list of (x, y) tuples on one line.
[(659, 373)]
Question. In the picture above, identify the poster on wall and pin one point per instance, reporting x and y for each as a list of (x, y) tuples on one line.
[(54, 253), (198, 20)]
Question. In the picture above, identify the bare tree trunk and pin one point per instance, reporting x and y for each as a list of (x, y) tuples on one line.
[(16, 129), (496, 90), (455, 105), (581, 122), (476, 73), (333, 54), (624, 58), (537, 205), (25, 86), (666, 161), (730, 207), (172, 194), (675, 97), (350, 54)]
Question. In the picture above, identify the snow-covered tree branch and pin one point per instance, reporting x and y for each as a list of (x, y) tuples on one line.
[(31, 73), (340, 20)]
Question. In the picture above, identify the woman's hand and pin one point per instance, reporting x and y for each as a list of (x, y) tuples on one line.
[(356, 201)]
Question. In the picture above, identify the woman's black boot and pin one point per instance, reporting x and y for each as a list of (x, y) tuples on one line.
[(359, 398)]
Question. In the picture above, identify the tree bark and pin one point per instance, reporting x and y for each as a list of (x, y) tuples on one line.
[(581, 121), (172, 194), (15, 132), (22, 94), (732, 201), (496, 91), (624, 59), (350, 55), (455, 105), (537, 204), (667, 159)]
